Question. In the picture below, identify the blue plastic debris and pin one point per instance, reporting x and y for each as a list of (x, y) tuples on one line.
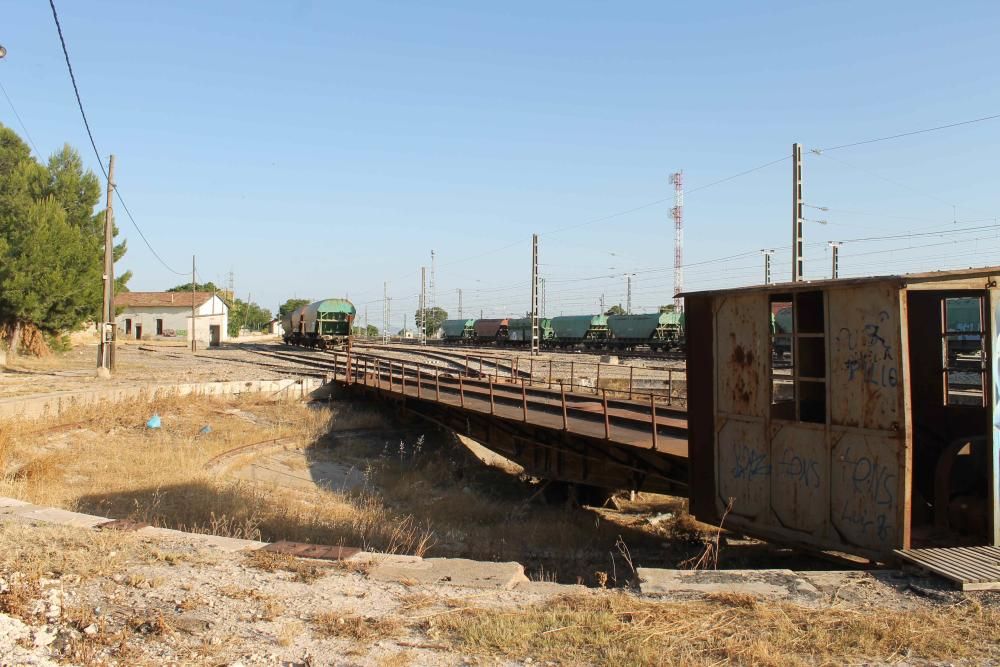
[(206, 429), (154, 422)]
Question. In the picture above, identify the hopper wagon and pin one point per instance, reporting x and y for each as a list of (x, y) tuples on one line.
[(660, 331), (322, 324), (458, 332), (589, 331), (519, 331), (490, 331)]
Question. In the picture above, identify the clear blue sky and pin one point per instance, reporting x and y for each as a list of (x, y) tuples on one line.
[(320, 148)]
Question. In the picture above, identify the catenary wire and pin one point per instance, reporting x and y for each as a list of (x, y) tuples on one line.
[(93, 144)]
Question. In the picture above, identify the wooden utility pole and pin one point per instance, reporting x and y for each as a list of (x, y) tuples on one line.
[(106, 348), (194, 343)]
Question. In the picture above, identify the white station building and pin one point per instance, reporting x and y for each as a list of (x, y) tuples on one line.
[(165, 315)]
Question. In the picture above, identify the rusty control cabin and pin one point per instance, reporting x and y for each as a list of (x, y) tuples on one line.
[(853, 415)]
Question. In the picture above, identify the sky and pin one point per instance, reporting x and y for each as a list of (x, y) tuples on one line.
[(320, 149)]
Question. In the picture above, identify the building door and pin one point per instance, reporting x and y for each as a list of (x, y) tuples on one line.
[(951, 388), (215, 335), (159, 327), (138, 332), (128, 327)]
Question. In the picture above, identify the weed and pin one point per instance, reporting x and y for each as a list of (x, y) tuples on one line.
[(622, 630), (360, 628), (269, 561)]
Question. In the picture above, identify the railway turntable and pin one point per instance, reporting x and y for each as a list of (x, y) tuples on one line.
[(870, 425)]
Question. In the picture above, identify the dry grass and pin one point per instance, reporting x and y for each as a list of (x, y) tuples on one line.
[(304, 570), (621, 630), (356, 627), (117, 467)]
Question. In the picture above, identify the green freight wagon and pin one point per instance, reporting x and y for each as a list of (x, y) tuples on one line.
[(660, 331), (321, 324), (519, 331), (457, 331), (590, 331)]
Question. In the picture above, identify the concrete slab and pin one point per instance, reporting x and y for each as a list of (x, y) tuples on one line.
[(229, 544), (372, 558), (453, 571), (549, 588), (12, 502), (59, 516), (771, 583)]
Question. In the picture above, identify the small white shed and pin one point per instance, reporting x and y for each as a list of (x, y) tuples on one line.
[(165, 315)]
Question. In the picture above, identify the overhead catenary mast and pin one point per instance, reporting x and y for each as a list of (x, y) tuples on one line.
[(677, 212)]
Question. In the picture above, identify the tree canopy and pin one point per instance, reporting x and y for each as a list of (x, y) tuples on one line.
[(290, 305), (435, 316), (615, 310), (51, 240)]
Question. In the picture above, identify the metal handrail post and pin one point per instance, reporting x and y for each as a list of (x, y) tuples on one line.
[(461, 391), (597, 384), (437, 385), (492, 409), (571, 384), (607, 420), (335, 366), (630, 370), (524, 402), (562, 393), (418, 379), (670, 386), (652, 410)]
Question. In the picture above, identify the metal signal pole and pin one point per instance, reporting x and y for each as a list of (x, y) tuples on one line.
[(459, 303), (767, 266), (194, 343), (797, 212), (422, 332), (534, 294), (628, 294), (106, 353), (385, 312), (835, 259)]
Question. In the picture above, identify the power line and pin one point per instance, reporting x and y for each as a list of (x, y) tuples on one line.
[(93, 144), (21, 122), (910, 134)]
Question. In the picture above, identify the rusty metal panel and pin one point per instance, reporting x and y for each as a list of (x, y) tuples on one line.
[(866, 356), (743, 473), (867, 490), (742, 340), (800, 479)]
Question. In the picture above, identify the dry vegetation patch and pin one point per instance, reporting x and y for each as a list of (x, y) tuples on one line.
[(357, 627), (618, 629)]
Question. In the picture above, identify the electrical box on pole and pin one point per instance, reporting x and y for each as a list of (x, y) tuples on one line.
[(797, 213), (535, 343)]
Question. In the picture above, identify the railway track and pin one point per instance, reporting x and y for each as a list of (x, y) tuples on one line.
[(477, 349)]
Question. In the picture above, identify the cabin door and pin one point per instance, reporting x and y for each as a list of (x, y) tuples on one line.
[(953, 390)]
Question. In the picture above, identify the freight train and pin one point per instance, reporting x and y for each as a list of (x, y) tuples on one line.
[(323, 324), (658, 331)]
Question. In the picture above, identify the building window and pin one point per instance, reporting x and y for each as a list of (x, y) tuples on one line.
[(798, 356), (128, 326), (963, 350)]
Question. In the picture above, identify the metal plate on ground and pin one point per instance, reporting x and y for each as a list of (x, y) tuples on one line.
[(970, 568), (304, 550)]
